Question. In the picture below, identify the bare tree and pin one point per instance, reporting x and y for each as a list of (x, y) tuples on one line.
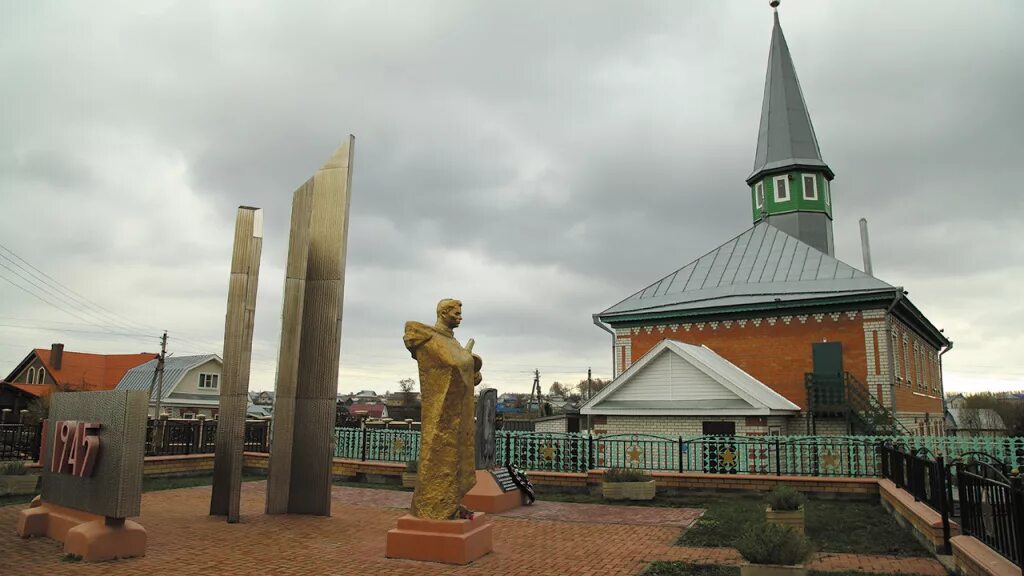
[(559, 389), (587, 389), (407, 389)]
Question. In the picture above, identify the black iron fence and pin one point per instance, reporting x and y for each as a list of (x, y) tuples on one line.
[(926, 479), (163, 438), (19, 441), (573, 452), (176, 437), (912, 470), (984, 493), (991, 504)]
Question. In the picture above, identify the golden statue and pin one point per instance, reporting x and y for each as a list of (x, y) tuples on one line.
[(448, 373)]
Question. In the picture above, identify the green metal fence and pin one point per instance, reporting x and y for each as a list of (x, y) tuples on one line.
[(846, 456)]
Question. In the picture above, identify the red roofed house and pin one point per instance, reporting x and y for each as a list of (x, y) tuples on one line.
[(372, 410), (44, 371)]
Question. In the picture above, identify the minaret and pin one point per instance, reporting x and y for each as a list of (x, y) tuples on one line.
[(789, 187)]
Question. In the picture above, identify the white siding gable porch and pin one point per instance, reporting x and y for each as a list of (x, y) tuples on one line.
[(681, 379)]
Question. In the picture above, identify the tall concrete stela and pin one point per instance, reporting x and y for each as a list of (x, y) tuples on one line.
[(307, 370), (234, 385)]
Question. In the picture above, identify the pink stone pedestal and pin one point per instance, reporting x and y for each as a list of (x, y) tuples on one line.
[(487, 496), (90, 536), (446, 541)]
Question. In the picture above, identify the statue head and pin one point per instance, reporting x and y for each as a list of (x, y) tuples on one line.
[(449, 312)]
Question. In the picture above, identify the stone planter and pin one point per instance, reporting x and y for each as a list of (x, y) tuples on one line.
[(792, 518), (628, 490), (409, 479), (18, 485), (772, 570)]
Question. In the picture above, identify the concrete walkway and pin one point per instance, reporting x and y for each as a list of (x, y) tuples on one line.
[(184, 540)]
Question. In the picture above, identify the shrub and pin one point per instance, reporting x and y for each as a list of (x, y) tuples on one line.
[(13, 469), (626, 475), (772, 544), (412, 466), (785, 498)]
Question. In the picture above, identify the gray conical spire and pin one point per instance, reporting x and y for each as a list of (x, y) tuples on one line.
[(786, 137)]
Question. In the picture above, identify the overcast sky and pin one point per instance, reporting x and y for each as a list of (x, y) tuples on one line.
[(538, 160)]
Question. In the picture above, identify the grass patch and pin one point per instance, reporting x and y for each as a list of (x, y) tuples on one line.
[(851, 526), (858, 527), (661, 568), (851, 573), (686, 569)]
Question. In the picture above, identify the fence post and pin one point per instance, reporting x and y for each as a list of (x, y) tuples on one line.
[(778, 457), (966, 527), (679, 454), (201, 436), (161, 445), (37, 450), (590, 451), (939, 469), (1017, 498)]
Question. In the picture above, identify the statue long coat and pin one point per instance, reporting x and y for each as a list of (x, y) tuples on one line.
[(448, 373)]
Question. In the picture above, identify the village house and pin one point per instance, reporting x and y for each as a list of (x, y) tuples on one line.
[(191, 385), (769, 332), (44, 371)]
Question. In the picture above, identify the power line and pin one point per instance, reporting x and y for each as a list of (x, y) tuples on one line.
[(50, 292), (61, 329), (57, 287), (106, 318)]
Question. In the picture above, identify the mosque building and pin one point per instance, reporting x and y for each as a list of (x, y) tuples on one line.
[(769, 333)]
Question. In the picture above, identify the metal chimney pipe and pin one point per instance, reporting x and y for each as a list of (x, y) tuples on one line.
[(865, 245)]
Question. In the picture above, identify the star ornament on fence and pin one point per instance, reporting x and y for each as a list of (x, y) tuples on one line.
[(728, 456), (829, 460), (634, 453), (547, 452), (398, 444)]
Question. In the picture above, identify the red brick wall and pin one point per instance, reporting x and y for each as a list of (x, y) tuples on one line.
[(920, 390), (777, 354)]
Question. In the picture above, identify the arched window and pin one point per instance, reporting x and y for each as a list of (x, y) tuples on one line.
[(40, 375), (31, 378)]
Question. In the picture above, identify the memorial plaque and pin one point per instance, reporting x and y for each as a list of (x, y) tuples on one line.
[(486, 404), (93, 459), (504, 479)]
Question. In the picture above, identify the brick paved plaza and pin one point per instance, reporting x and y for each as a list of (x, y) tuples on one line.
[(550, 539)]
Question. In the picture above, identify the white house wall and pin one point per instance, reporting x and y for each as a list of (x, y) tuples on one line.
[(690, 426), (669, 377), (189, 384)]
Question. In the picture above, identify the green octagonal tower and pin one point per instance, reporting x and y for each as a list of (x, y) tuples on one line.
[(789, 186)]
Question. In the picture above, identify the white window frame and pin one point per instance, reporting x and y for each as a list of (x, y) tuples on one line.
[(31, 376), (775, 184), (759, 195), (814, 188), (212, 384), (828, 194)]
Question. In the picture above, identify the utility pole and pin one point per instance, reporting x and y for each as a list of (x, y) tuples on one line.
[(590, 394), (160, 372), (536, 390)]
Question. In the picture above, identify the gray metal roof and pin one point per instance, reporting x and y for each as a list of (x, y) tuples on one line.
[(175, 368), (786, 136), (761, 265), (974, 419)]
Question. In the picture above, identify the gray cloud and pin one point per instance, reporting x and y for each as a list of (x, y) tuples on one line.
[(539, 161)]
